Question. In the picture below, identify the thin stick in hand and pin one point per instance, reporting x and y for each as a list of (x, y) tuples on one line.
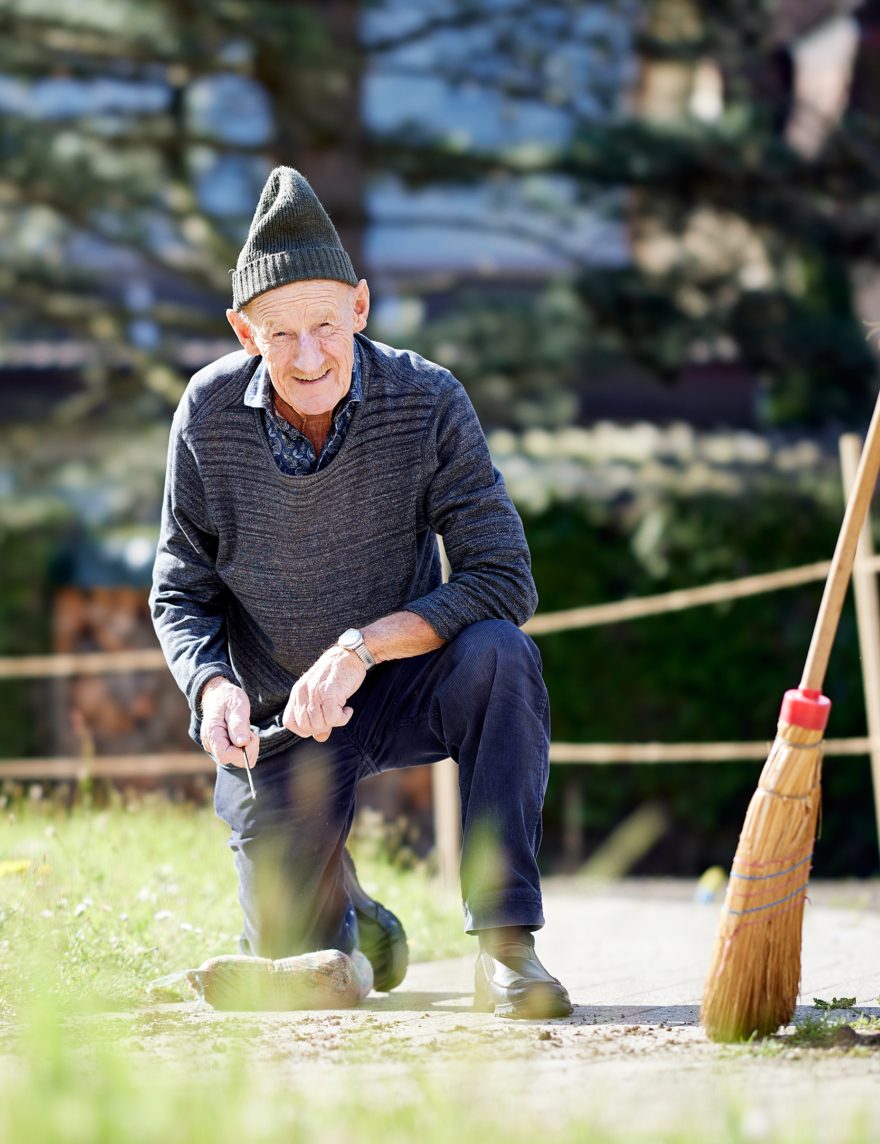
[(247, 767)]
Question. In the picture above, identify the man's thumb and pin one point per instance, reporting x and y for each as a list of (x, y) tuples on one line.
[(238, 721)]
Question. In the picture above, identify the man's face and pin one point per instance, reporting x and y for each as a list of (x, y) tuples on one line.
[(305, 332)]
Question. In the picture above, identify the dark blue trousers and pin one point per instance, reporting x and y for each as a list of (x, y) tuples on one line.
[(479, 699)]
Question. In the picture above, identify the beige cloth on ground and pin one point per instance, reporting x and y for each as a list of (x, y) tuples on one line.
[(326, 979)]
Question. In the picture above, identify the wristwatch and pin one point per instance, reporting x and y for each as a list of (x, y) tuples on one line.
[(352, 639)]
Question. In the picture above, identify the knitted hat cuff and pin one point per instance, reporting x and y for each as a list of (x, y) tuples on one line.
[(294, 265)]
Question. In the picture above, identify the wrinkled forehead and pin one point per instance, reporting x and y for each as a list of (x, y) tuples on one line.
[(301, 301)]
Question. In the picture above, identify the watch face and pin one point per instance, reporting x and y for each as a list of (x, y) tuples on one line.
[(351, 637)]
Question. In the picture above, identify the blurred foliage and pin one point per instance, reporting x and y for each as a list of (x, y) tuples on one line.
[(167, 103), (708, 673), (516, 354), (30, 539), (105, 188)]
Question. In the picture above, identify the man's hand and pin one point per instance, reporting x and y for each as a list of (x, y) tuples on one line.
[(226, 723), (318, 701)]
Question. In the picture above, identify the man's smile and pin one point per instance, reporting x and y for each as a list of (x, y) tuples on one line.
[(312, 380)]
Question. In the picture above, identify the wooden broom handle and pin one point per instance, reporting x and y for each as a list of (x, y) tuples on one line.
[(842, 562)]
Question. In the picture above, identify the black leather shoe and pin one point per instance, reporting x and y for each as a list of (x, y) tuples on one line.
[(511, 982), (381, 937)]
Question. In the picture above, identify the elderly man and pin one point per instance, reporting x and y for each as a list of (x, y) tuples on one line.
[(298, 598)]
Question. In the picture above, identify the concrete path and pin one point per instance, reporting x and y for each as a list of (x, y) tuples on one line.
[(633, 1058), (625, 954), (631, 1064)]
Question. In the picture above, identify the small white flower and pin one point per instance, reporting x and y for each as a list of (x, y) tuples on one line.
[(162, 915), (46, 914)]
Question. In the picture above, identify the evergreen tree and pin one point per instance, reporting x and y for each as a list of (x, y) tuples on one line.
[(126, 124)]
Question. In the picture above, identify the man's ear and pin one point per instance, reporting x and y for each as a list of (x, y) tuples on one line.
[(361, 304), (243, 332)]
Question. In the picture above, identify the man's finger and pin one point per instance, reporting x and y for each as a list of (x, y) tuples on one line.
[(291, 722), (215, 738), (323, 721), (230, 754), (298, 722), (337, 715), (318, 720)]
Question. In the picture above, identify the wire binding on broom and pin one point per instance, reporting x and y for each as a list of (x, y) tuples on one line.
[(770, 905), (742, 928), (778, 874), (797, 746), (758, 891)]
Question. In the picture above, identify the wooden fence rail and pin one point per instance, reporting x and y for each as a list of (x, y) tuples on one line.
[(180, 763), (569, 619)]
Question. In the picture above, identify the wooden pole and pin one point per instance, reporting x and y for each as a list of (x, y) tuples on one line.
[(572, 820), (837, 584), (447, 821), (867, 616), (447, 802)]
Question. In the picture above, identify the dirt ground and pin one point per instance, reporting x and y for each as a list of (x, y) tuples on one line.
[(632, 1059)]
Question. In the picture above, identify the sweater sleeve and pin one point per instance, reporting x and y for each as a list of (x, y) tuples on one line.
[(187, 597), (467, 504)]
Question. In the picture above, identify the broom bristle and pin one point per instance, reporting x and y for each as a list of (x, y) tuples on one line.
[(754, 975)]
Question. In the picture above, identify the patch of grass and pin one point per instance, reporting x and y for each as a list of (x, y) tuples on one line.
[(98, 902), (834, 1003), (827, 1032)]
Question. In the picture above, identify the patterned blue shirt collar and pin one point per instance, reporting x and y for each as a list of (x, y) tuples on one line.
[(293, 452)]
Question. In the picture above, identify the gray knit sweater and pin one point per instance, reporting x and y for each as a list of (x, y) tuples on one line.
[(258, 572)]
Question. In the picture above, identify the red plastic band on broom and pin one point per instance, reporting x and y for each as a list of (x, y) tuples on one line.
[(805, 707)]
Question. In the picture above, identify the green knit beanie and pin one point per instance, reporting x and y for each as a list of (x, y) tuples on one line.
[(291, 239)]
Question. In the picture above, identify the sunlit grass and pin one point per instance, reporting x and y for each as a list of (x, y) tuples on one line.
[(105, 900), (95, 903)]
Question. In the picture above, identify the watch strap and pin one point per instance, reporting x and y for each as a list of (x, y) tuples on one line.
[(358, 646)]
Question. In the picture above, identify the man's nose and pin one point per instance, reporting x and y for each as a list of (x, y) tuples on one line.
[(309, 357)]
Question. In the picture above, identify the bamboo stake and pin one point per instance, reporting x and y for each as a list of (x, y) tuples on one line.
[(447, 800), (867, 617), (842, 561)]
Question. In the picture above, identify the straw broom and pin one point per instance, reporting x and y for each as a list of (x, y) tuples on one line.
[(754, 975)]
